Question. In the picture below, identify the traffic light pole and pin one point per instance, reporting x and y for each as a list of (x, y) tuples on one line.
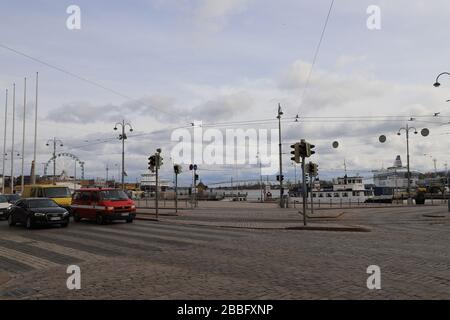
[(280, 155), (304, 190), (311, 191), (195, 188), (156, 192), (176, 192)]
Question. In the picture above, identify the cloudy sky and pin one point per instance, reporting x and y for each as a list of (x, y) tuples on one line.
[(162, 64)]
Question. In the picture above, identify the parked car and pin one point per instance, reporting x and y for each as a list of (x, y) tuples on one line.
[(37, 211), (13, 197), (4, 206), (60, 194), (102, 205)]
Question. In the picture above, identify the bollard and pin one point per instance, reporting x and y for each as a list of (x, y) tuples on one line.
[(448, 202)]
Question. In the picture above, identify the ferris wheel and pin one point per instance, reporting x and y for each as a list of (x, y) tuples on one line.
[(66, 164)]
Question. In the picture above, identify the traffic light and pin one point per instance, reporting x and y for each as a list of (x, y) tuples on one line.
[(177, 169), (309, 149), (152, 163), (296, 152), (312, 169), (159, 160), (196, 177), (278, 177), (302, 149), (315, 170)]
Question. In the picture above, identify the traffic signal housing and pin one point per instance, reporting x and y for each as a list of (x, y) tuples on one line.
[(177, 169), (296, 152), (159, 160), (309, 149), (152, 163)]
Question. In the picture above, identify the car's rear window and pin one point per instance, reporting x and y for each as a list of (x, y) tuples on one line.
[(56, 192), (41, 203)]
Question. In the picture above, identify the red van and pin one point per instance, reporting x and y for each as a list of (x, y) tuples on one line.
[(102, 205)]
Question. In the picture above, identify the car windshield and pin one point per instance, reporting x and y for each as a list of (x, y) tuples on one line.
[(113, 195), (3, 198), (12, 197), (57, 192), (41, 203)]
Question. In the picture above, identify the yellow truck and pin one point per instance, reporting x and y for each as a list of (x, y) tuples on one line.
[(60, 194)]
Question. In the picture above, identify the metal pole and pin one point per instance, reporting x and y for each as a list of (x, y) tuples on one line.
[(156, 193), (12, 139), (123, 154), (304, 190), (195, 188), (407, 164), (33, 165), (311, 192), (176, 193), (192, 189), (23, 134), (280, 155), (75, 177), (4, 143), (260, 181), (54, 160)]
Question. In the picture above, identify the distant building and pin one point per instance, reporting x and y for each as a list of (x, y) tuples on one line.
[(148, 182)]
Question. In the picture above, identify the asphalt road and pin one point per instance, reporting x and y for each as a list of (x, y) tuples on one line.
[(167, 260)]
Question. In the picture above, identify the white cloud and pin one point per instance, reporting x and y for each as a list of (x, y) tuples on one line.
[(213, 15)]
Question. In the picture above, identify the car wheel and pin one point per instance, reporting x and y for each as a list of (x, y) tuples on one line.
[(100, 219), (11, 222), (76, 217), (29, 223)]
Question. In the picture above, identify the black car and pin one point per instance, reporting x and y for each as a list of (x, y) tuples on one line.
[(12, 197), (5, 206), (38, 211)]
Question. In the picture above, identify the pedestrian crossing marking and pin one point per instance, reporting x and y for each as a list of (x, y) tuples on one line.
[(29, 260)]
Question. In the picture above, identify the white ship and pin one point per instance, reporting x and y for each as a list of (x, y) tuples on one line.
[(345, 189)]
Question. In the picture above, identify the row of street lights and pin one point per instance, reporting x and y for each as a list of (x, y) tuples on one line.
[(33, 176)]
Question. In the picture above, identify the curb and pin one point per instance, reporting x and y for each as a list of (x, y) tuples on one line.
[(329, 228), (437, 215), (300, 227)]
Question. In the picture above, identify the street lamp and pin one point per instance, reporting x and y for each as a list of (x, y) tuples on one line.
[(54, 141), (434, 161), (123, 137), (279, 114), (424, 132), (437, 83)]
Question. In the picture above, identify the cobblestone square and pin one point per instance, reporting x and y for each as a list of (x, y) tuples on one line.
[(192, 256)]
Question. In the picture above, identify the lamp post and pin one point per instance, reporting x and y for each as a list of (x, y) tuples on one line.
[(437, 83), (4, 143), (434, 161), (424, 132), (280, 113), (54, 141), (12, 139), (123, 137)]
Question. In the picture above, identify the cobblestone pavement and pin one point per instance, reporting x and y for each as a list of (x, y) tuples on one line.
[(169, 260)]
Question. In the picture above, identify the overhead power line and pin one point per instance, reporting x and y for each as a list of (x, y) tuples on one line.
[(316, 53), (81, 78)]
